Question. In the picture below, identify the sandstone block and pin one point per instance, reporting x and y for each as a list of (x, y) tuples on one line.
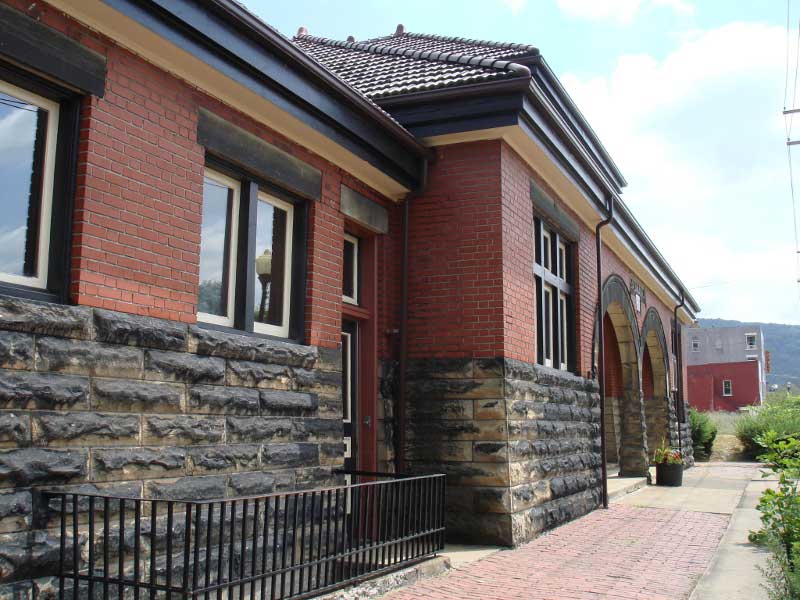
[(251, 484), (215, 399), (257, 429), (255, 374), (278, 403), (15, 429), (16, 350), (181, 429), (21, 390), (44, 318), (223, 459), (250, 348), (84, 429), (278, 456), (110, 464), (136, 396), (24, 467), (187, 488), (88, 358), (134, 330), (183, 367)]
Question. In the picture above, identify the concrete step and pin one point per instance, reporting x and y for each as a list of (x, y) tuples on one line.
[(619, 487)]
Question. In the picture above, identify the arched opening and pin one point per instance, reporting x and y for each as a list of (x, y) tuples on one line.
[(655, 382), (626, 440)]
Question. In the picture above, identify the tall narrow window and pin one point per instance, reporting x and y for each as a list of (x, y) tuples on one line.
[(274, 225), (350, 269), (727, 387), (28, 130), (216, 296), (553, 275)]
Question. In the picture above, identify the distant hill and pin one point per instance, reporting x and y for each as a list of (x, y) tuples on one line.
[(783, 343)]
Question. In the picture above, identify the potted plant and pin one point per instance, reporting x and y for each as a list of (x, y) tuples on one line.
[(669, 466)]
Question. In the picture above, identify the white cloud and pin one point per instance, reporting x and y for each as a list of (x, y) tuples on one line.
[(515, 6), (620, 11), (698, 136)]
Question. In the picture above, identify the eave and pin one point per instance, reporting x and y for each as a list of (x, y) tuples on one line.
[(229, 54)]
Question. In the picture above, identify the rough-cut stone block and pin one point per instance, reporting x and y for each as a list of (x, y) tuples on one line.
[(23, 590), (317, 429), (331, 454), (441, 450), (134, 463), (135, 330), (15, 429), (177, 430), (490, 451), (39, 466), (491, 500), (488, 368), (321, 382), (28, 554), (15, 511), (250, 348), (258, 429), (84, 429), (255, 374), (16, 350), (329, 359), (424, 391), (441, 409), (21, 390), (136, 396), (440, 368), (220, 400), (88, 358), (280, 456), (223, 459), (457, 430), (279, 402), (469, 473), (330, 406), (251, 484), (44, 318), (489, 409), (187, 488), (181, 366)]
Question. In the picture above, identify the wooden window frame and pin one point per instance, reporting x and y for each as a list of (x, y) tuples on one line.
[(252, 191), (548, 242), (729, 383), (355, 298)]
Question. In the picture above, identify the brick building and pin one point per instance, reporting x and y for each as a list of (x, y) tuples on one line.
[(726, 367), (234, 263)]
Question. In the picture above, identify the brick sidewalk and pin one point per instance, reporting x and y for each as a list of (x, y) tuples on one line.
[(622, 553)]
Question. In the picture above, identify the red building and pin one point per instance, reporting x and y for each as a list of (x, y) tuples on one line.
[(233, 265), (724, 386)]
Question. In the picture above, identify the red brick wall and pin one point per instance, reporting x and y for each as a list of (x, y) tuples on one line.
[(455, 284), (615, 387), (705, 385), (648, 385), (139, 196)]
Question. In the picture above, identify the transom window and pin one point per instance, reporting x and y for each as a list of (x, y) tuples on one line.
[(554, 314), (28, 130), (247, 256), (350, 270), (727, 387)]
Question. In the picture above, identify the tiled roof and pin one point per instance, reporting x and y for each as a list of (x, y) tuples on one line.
[(407, 62)]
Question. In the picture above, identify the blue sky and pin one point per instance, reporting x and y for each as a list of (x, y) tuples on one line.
[(685, 94)]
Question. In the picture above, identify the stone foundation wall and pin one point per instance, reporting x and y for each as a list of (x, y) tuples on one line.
[(387, 425), (94, 400), (519, 444)]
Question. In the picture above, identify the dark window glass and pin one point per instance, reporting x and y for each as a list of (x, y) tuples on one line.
[(270, 264), (215, 248), (23, 143)]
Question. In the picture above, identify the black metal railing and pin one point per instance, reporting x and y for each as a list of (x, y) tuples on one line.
[(279, 546)]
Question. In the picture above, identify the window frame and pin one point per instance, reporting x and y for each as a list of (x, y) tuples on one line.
[(251, 186), (233, 242), (729, 384), (282, 330), (550, 244), (747, 345), (356, 298), (56, 262), (695, 345)]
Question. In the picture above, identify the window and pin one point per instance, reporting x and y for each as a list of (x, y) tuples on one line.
[(750, 341), (350, 270), (29, 129), (553, 275), (752, 357), (727, 387), (218, 249), (695, 345), (248, 248)]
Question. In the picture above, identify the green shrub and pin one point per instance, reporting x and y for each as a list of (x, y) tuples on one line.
[(779, 414), (704, 432)]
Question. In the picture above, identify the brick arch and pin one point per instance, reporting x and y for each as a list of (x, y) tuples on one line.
[(625, 417), (655, 380)]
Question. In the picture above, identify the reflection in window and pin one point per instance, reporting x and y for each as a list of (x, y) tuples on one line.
[(350, 274), (273, 265), (28, 125), (217, 248)]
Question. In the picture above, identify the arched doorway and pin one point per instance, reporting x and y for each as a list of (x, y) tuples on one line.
[(655, 381), (626, 439)]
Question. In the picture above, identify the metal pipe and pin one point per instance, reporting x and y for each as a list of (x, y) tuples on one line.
[(601, 374), (678, 350), (400, 404)]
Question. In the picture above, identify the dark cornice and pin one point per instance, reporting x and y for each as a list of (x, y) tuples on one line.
[(229, 38)]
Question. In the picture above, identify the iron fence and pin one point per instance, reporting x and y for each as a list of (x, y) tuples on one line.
[(278, 546)]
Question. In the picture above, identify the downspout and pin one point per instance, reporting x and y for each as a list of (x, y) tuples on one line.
[(400, 402), (678, 348), (601, 348)]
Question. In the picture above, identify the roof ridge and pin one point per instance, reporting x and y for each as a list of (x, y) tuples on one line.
[(429, 55), (453, 38)]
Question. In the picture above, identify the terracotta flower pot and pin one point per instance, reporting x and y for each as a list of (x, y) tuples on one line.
[(669, 474)]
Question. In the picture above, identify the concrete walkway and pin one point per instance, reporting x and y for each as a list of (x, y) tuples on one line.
[(653, 544)]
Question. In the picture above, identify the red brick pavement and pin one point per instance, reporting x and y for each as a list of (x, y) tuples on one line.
[(622, 553)]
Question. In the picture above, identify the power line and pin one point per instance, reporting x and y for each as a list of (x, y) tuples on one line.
[(788, 115)]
